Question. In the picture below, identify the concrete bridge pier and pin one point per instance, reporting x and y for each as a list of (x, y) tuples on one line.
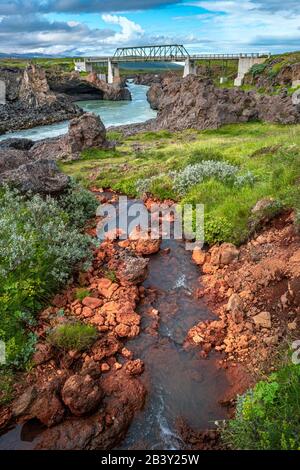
[(245, 65), (113, 75), (189, 68)]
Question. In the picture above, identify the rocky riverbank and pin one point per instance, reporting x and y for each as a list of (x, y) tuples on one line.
[(196, 103), (35, 97), (31, 166), (254, 290), (89, 87)]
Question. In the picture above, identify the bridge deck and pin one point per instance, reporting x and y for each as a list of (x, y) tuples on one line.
[(163, 53), (175, 58)]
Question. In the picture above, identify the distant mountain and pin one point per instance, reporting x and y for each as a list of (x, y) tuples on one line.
[(25, 56)]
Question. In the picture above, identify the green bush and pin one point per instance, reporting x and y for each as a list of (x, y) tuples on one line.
[(73, 336), (79, 204), (267, 417), (257, 69), (40, 243), (217, 229)]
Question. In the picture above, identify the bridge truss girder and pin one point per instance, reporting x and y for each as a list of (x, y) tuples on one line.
[(152, 53)]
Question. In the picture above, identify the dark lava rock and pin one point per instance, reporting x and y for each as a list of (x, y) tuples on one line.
[(17, 144), (10, 159), (85, 88), (196, 103), (29, 101), (81, 394), (86, 131), (41, 176)]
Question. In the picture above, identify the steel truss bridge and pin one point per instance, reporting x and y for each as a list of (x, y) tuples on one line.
[(164, 53)]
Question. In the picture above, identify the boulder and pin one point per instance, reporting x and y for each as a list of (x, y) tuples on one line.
[(41, 402), (224, 254), (132, 270), (10, 159), (81, 394), (84, 132), (103, 430), (41, 176), (263, 319)]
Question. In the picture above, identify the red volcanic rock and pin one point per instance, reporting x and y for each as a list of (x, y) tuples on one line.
[(105, 347), (91, 302), (103, 430), (128, 318), (106, 287), (41, 402), (87, 312), (143, 243), (134, 367), (224, 254), (122, 330), (81, 394), (198, 256)]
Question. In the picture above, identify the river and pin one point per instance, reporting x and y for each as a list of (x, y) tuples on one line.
[(181, 385), (112, 113)]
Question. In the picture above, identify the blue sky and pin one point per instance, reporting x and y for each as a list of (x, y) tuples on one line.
[(93, 27)]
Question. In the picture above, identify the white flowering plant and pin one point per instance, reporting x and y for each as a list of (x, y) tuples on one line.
[(40, 244)]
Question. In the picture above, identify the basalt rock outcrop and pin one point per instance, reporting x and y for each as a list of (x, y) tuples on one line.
[(31, 166), (89, 87), (274, 73), (30, 102), (194, 102), (86, 131)]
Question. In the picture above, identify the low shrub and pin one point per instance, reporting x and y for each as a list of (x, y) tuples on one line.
[(267, 417), (194, 174), (79, 203), (40, 243), (73, 336), (257, 69)]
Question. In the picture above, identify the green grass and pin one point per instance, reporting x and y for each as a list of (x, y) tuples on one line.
[(73, 336), (81, 293), (267, 417), (270, 152)]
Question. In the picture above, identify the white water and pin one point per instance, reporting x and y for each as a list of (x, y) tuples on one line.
[(112, 113)]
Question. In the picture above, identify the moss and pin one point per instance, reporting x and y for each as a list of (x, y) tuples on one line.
[(73, 336)]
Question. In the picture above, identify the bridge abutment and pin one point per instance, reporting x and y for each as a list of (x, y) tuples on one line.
[(245, 65), (113, 74), (189, 68)]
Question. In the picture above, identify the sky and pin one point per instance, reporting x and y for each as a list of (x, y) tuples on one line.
[(98, 27)]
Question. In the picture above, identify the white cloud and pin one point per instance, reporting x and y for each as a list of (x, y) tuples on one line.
[(242, 25), (129, 29)]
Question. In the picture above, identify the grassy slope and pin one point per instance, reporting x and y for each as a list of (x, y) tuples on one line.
[(270, 152)]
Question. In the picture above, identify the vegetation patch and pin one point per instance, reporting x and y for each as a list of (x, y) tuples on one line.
[(263, 161), (40, 244), (73, 336), (267, 417)]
